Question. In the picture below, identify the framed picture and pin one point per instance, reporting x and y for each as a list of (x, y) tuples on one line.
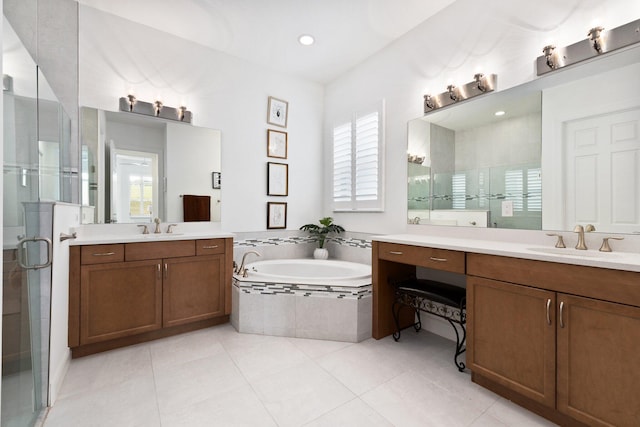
[(276, 144), (277, 112), (276, 215), (277, 179), (215, 180)]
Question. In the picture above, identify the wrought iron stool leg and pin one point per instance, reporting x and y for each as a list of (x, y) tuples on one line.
[(395, 310), (418, 325), (459, 345)]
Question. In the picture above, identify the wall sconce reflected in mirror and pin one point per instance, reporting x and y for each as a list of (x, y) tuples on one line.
[(481, 84), (155, 109), (598, 42)]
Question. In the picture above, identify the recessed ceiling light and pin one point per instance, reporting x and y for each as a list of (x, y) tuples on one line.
[(306, 40), (500, 113)]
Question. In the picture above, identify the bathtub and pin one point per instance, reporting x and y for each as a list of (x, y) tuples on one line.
[(304, 298)]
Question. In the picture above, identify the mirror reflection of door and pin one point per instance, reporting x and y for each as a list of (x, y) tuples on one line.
[(134, 186), (603, 157)]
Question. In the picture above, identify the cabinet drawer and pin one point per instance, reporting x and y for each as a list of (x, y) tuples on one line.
[(101, 254), (209, 246), (155, 250), (439, 259)]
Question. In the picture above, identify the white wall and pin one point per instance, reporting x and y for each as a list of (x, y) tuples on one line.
[(223, 93), (495, 36), (189, 143)]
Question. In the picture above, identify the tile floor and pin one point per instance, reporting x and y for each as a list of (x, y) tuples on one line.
[(218, 377)]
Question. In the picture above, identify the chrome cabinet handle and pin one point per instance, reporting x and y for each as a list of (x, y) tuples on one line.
[(561, 314), (159, 271), (549, 311), (166, 270), (438, 259), (395, 252), (210, 247), (104, 254)]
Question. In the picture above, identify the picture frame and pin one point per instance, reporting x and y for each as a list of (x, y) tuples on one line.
[(215, 180), (276, 215), (277, 179), (277, 145), (277, 112)]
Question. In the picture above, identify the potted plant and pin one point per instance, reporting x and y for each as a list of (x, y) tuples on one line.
[(320, 233)]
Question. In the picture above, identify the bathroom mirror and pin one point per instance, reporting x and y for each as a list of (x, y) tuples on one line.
[(137, 168), (565, 151)]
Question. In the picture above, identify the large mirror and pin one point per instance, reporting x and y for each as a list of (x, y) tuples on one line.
[(137, 168), (560, 150)]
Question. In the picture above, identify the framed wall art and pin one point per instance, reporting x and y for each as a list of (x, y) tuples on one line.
[(276, 144), (277, 112), (276, 215), (277, 179)]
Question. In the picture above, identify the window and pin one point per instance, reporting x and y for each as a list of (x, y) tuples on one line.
[(357, 163), (524, 188), (459, 191)]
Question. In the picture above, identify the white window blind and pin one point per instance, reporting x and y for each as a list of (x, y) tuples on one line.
[(534, 190), (513, 185), (357, 169), (459, 190)]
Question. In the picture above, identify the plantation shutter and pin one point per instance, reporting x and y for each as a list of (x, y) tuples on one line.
[(357, 163)]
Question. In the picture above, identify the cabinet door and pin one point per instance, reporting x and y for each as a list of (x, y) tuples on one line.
[(193, 289), (119, 299), (511, 337), (598, 374)]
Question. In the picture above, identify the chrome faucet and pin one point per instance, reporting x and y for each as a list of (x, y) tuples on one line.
[(581, 230), (157, 230), (241, 269)]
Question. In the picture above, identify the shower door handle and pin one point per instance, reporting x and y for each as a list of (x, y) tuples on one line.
[(21, 251)]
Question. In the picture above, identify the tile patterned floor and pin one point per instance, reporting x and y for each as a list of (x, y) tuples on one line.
[(218, 377)]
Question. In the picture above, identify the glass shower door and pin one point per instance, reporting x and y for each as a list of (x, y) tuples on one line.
[(26, 255)]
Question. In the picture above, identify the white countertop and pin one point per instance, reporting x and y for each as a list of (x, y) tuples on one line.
[(130, 233), (627, 261)]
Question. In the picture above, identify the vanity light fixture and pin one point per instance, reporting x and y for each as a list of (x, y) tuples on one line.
[(594, 36), (157, 107), (131, 104), (598, 42), (548, 56), (452, 93), (132, 101), (481, 84)]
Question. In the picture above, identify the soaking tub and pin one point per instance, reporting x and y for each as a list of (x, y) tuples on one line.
[(304, 298)]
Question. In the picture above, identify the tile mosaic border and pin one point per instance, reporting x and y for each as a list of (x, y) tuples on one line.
[(296, 240), (324, 291)]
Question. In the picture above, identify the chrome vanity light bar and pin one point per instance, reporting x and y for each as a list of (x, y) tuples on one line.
[(598, 43), (480, 85), (131, 104)]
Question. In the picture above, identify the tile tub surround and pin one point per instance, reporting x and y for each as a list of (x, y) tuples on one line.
[(326, 312), (292, 244)]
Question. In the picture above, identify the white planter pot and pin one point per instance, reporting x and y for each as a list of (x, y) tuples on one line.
[(321, 253)]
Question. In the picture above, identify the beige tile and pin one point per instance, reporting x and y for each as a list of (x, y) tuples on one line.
[(300, 394), (239, 407), (355, 413)]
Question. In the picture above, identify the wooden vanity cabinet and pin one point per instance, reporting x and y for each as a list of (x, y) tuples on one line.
[(119, 299), (559, 339), (132, 292), (395, 261)]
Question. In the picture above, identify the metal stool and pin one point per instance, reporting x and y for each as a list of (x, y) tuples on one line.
[(440, 299)]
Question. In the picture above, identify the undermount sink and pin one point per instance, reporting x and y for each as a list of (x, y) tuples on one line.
[(574, 252), (161, 235)]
